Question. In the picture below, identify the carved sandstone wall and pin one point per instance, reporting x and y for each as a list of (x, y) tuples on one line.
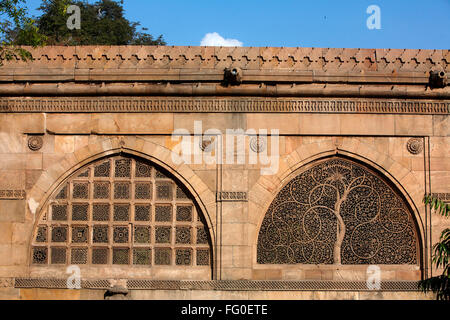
[(72, 108)]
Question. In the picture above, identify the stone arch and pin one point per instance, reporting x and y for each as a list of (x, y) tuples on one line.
[(52, 180), (337, 211), (267, 187)]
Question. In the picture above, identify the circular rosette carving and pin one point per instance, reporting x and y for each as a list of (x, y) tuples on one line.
[(102, 170), (414, 145), (35, 143), (123, 167), (258, 144), (143, 170), (207, 144)]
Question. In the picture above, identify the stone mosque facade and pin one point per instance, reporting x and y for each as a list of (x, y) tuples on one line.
[(116, 174)]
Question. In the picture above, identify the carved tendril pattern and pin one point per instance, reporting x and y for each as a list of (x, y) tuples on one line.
[(337, 212)]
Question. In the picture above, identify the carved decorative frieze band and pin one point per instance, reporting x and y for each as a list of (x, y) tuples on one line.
[(12, 194), (183, 104), (225, 285), (6, 282), (236, 196), (442, 196), (59, 283), (269, 285)]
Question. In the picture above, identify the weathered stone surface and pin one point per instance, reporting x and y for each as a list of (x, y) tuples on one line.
[(274, 122), (64, 144), (441, 125), (12, 210), (276, 295), (356, 124), (207, 121), (13, 142), (132, 124), (6, 231), (413, 125), (324, 102), (22, 123), (21, 233), (69, 124), (6, 255), (9, 294), (12, 179), (320, 124), (49, 294)]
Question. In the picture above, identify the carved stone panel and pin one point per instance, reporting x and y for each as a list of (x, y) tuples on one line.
[(338, 212), (121, 211)]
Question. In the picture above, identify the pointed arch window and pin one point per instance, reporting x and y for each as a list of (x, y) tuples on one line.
[(121, 211), (338, 212)]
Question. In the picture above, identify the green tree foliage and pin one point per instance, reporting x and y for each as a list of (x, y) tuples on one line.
[(441, 253), (14, 23), (102, 23)]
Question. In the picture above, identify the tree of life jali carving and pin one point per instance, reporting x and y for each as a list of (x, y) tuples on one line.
[(337, 212)]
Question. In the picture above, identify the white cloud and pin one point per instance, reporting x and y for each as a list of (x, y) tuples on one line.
[(215, 39)]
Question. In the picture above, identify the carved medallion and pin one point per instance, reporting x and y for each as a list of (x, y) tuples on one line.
[(207, 144), (414, 145), (258, 144), (35, 143)]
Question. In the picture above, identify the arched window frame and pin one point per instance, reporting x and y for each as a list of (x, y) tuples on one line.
[(392, 183), (73, 176)]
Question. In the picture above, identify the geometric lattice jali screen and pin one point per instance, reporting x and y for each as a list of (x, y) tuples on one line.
[(121, 211), (337, 211)]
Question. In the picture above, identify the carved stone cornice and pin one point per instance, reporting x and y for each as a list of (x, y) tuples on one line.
[(210, 89), (221, 104), (192, 63)]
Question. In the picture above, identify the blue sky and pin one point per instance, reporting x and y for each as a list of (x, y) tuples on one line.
[(421, 24)]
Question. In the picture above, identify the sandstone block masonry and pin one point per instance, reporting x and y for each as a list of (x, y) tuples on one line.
[(72, 109)]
